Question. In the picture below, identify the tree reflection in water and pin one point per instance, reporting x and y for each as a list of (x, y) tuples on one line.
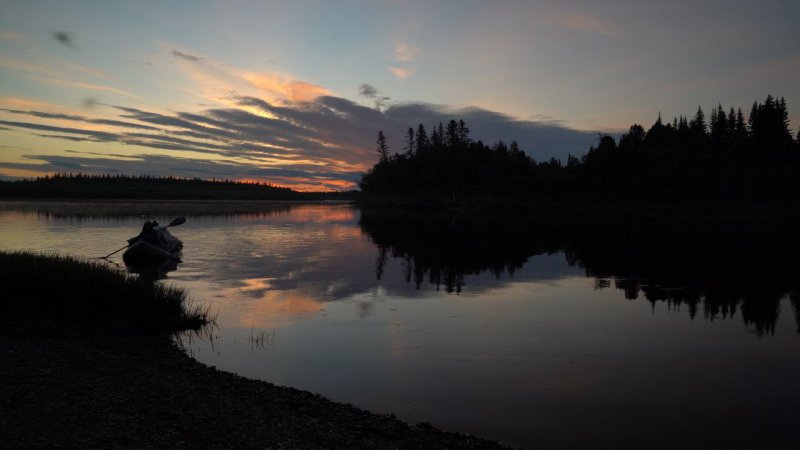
[(719, 267)]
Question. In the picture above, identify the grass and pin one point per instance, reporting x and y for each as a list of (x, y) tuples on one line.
[(92, 293)]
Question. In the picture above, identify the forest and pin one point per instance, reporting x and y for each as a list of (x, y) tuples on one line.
[(723, 158), (86, 186)]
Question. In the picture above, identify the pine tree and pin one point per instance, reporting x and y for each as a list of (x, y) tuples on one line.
[(731, 123), (698, 124), (422, 139), (463, 132), (719, 126), (657, 136), (437, 136), (451, 138), (382, 148), (740, 133), (409, 148)]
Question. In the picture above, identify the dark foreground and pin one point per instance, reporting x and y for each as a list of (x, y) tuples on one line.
[(73, 388)]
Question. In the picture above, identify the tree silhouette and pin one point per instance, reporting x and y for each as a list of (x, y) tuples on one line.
[(383, 148), (409, 147), (725, 162)]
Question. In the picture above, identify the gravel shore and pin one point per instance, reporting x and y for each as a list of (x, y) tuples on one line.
[(65, 387)]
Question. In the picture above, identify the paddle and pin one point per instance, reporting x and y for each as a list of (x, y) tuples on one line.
[(177, 221)]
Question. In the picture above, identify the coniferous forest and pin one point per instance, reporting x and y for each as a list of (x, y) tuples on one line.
[(86, 186), (726, 157)]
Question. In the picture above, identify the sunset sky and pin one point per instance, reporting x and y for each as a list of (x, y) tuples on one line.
[(294, 93)]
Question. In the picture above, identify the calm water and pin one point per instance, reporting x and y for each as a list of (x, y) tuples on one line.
[(536, 335)]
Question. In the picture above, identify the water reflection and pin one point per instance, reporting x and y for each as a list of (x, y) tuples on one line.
[(719, 268), (484, 325), (116, 210)]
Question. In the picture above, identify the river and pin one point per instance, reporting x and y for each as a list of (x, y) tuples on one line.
[(535, 334)]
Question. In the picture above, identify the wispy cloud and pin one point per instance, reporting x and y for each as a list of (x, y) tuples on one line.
[(583, 22), (405, 53), (186, 56), (367, 90), (89, 134), (49, 115), (90, 86), (87, 70), (26, 66), (12, 35), (64, 38), (20, 103), (400, 72)]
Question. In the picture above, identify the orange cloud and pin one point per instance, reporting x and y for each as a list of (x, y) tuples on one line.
[(24, 103), (282, 86), (24, 173), (300, 91), (311, 184), (399, 72)]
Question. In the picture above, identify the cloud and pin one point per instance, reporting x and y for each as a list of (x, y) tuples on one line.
[(89, 134), (405, 53), (400, 72), (12, 35), (540, 139), (47, 115), (300, 91), (26, 66), (90, 86), (324, 142), (366, 90), (293, 90), (583, 22), (162, 165), (64, 38), (369, 91), (186, 56)]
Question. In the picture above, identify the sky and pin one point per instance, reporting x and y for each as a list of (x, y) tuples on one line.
[(294, 92)]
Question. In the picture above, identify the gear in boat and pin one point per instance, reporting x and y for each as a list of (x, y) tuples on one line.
[(154, 247)]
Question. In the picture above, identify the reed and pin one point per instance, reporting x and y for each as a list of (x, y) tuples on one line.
[(93, 293)]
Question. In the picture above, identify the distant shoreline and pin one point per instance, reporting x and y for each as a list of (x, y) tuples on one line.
[(119, 187)]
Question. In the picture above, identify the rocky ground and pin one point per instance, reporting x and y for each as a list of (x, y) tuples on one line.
[(62, 386)]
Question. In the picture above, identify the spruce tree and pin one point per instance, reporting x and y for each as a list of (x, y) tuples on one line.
[(409, 148), (698, 124), (422, 139), (383, 148), (451, 138)]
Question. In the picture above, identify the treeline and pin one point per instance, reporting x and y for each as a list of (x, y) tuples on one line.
[(84, 186), (725, 158)]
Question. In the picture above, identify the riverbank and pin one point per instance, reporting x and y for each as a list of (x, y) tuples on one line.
[(64, 386), (87, 365)]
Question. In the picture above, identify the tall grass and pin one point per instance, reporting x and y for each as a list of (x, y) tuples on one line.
[(95, 293)]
